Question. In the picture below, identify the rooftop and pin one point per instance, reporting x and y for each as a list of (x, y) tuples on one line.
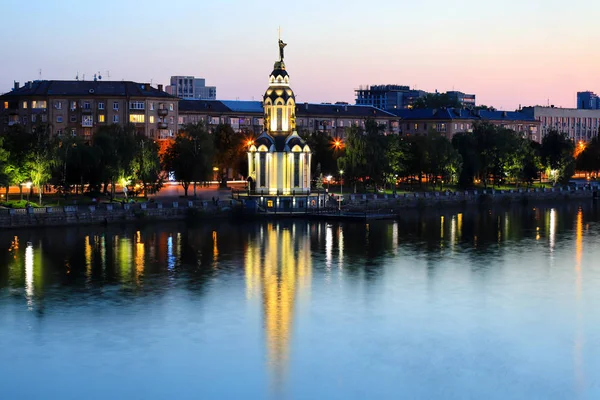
[(87, 88), (459, 113)]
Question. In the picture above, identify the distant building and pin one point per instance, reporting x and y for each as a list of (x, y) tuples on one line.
[(189, 87), (398, 97), (467, 100), (80, 107), (588, 101), (248, 116), (450, 121), (577, 123)]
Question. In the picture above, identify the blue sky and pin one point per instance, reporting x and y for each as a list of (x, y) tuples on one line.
[(508, 53)]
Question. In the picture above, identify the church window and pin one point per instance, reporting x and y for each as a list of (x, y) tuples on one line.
[(279, 119), (296, 169), (263, 169)]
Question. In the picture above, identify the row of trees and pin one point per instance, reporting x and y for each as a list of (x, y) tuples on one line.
[(490, 155), (115, 155)]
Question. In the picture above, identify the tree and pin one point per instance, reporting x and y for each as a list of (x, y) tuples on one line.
[(190, 156), (4, 165), (146, 165), (18, 142), (229, 148), (39, 160), (588, 159), (557, 156), (354, 161), (437, 100)]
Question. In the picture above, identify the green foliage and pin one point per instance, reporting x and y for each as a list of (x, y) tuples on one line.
[(146, 165), (190, 156), (229, 148), (589, 159), (325, 153), (495, 153), (557, 156), (437, 100)]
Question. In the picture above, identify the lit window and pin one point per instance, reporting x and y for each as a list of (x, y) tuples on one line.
[(270, 203), (152, 106), (59, 119), (73, 105), (38, 104), (115, 119), (100, 117), (24, 104), (416, 127), (152, 119), (115, 105), (137, 118), (59, 105), (100, 106), (171, 107), (6, 105)]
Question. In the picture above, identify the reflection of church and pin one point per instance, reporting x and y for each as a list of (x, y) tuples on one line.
[(278, 272), (279, 159)]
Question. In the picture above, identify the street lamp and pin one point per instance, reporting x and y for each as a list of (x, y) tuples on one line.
[(28, 186), (328, 181), (341, 188)]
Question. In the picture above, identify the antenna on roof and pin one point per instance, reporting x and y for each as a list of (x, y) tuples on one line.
[(83, 77), (95, 78), (40, 74), (151, 79), (99, 76), (108, 73), (77, 76)]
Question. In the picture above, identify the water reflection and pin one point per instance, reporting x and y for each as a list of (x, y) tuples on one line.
[(398, 279), (278, 268)]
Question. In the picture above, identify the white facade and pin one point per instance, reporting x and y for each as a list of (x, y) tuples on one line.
[(578, 124), (190, 88)]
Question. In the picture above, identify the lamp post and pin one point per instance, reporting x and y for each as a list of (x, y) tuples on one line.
[(341, 188), (329, 182), (28, 186)]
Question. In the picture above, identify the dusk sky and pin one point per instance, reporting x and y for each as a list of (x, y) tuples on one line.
[(508, 53)]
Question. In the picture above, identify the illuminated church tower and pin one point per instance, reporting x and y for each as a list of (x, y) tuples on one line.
[(279, 160)]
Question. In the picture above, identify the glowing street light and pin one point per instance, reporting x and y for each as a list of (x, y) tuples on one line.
[(341, 188), (328, 181)]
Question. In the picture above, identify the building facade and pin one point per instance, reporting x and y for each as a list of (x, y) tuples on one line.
[(190, 87), (248, 116), (588, 101), (398, 97), (578, 124), (81, 107), (450, 121)]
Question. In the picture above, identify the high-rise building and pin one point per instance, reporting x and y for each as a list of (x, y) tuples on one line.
[(398, 97), (189, 87), (588, 101)]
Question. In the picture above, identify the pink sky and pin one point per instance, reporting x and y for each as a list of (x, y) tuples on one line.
[(507, 53)]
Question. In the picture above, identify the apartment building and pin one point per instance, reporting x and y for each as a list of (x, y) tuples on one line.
[(190, 87), (588, 101), (247, 116), (397, 97), (450, 121), (577, 123), (80, 107)]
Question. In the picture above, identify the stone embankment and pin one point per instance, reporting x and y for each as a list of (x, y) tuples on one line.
[(438, 199), (107, 213)]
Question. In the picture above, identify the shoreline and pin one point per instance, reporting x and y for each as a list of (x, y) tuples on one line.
[(356, 208)]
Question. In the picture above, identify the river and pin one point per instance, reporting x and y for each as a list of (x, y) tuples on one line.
[(500, 304)]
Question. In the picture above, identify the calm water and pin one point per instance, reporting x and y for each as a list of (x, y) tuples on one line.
[(482, 305)]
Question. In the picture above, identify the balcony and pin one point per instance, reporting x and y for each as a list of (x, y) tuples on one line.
[(14, 122), (87, 110), (162, 112), (163, 125)]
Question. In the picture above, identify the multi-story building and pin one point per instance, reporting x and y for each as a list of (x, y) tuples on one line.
[(189, 87), (450, 121), (80, 107), (578, 124), (467, 100), (397, 97), (247, 116), (588, 101)]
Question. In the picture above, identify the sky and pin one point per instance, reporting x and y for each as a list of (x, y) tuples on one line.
[(508, 53)]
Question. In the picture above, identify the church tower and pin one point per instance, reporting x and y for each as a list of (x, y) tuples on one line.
[(279, 160)]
